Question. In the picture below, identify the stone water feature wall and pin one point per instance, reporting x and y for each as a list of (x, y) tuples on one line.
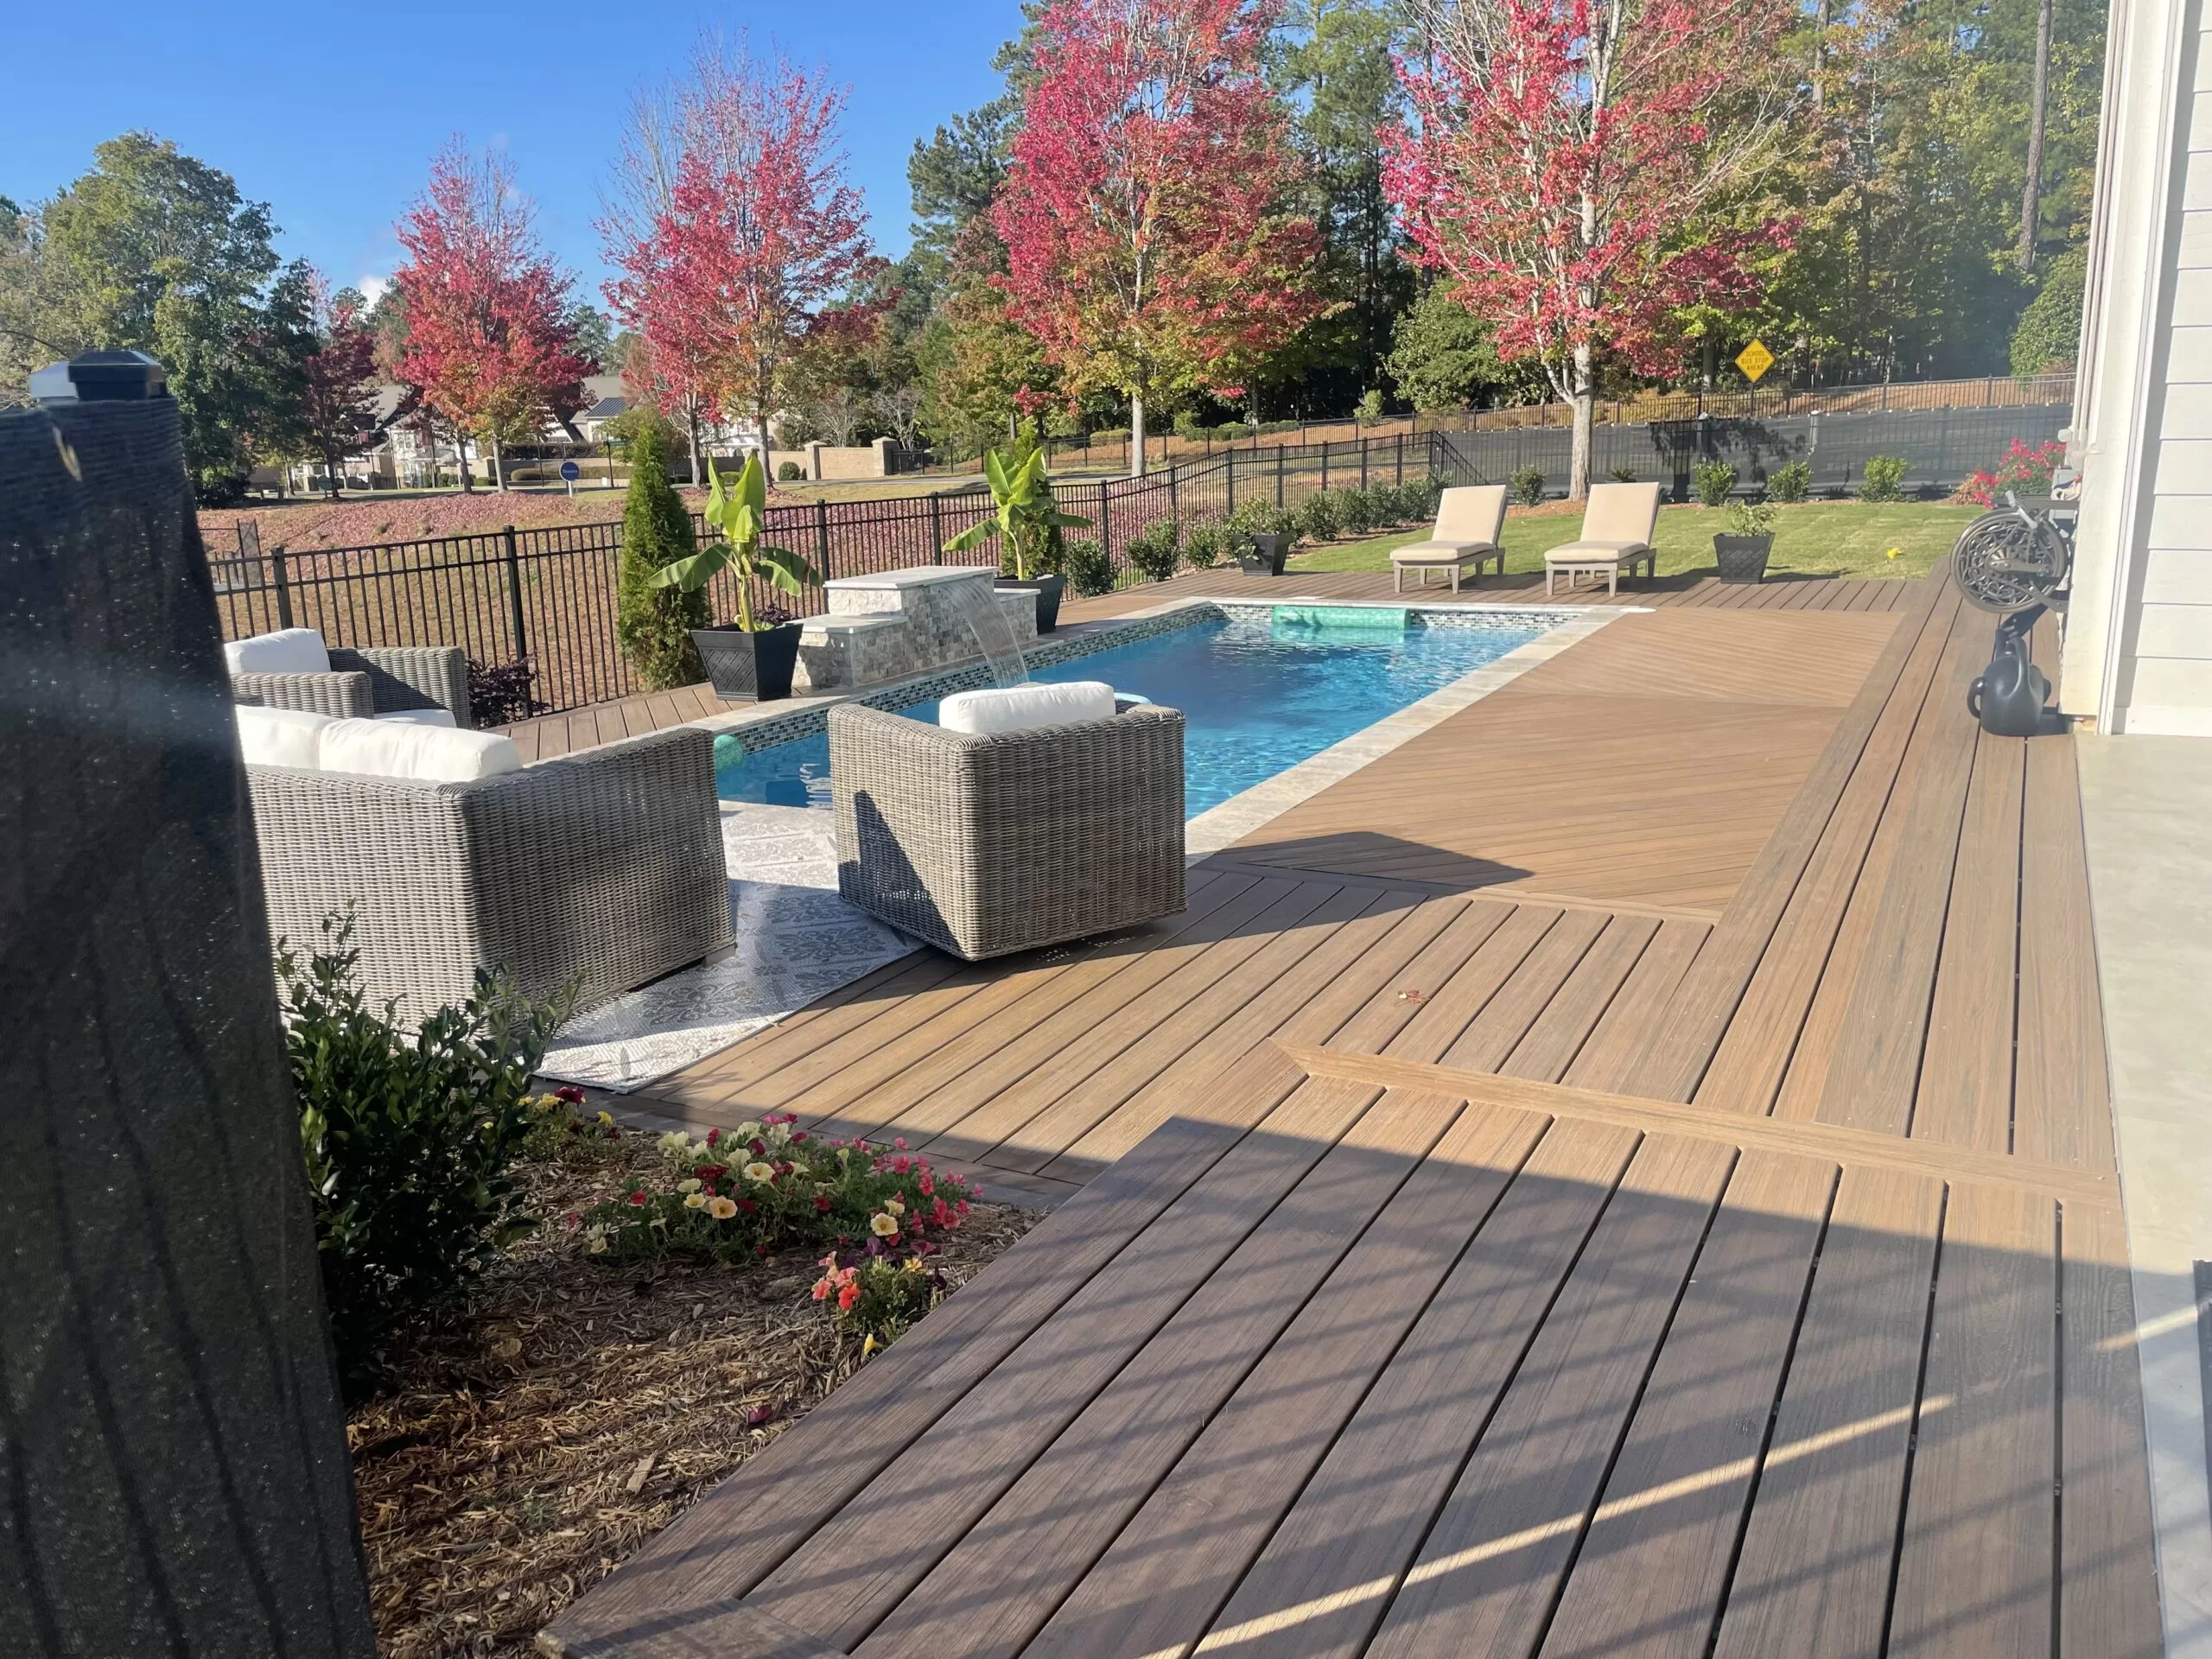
[(900, 623)]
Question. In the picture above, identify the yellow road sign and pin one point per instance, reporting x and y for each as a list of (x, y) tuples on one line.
[(1754, 361)]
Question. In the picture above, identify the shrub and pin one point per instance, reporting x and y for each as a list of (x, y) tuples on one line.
[(654, 624), (1370, 406), (1356, 511), (1526, 486), (1792, 482), (560, 1133), (1206, 543), (1317, 517), (1746, 519), (875, 1300), (1883, 478), (1622, 475), (2024, 471), (789, 472), (1419, 498), (1155, 554), (1088, 570), (1712, 483), (764, 1186), (407, 1138), (503, 693)]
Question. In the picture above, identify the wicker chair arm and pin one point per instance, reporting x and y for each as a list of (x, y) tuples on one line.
[(411, 676), (345, 696)]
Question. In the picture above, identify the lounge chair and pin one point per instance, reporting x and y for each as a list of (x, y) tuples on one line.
[(293, 668), (1468, 520), (1033, 815), (1616, 537)]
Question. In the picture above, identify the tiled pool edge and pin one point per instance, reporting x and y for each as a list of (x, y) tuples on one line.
[(1224, 826)]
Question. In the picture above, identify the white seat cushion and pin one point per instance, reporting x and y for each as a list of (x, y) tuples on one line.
[(1020, 707), (290, 650), (401, 748), (420, 716), (279, 737)]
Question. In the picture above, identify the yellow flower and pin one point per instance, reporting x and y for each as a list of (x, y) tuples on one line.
[(759, 1172), (697, 1201), (597, 1247), (691, 1186), (721, 1208), (1894, 553), (894, 1206), (883, 1226), (608, 1119)]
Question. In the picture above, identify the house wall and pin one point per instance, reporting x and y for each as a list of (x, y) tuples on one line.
[(2139, 646)]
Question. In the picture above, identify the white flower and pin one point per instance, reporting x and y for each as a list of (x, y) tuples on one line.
[(697, 1201), (691, 1186), (759, 1172)]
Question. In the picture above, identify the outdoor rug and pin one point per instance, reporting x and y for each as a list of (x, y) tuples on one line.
[(796, 940)]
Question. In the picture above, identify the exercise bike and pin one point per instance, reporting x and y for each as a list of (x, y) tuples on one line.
[(2015, 562)]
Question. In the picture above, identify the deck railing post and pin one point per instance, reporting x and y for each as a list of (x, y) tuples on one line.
[(514, 593), (283, 579)]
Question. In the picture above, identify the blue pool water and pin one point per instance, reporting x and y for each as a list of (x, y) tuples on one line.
[(1258, 696)]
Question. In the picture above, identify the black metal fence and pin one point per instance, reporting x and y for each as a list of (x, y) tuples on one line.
[(548, 596)]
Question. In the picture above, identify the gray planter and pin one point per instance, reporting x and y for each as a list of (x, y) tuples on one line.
[(749, 667), (1742, 558), (1048, 590), (1268, 552)]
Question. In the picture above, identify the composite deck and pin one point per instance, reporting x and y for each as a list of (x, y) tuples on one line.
[(1704, 1242)]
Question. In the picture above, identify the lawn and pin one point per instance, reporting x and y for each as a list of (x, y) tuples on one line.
[(1816, 539)]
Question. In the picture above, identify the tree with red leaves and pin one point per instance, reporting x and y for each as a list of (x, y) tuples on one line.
[(735, 230), (337, 411), (1573, 169), (1147, 247), (488, 337)]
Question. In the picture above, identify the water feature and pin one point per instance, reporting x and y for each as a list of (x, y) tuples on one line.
[(977, 605)]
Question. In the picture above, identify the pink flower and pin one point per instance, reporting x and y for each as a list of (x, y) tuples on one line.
[(847, 1296), (569, 1092), (637, 1200), (713, 1136)]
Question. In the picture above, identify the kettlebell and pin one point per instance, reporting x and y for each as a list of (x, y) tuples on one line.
[(2007, 697)]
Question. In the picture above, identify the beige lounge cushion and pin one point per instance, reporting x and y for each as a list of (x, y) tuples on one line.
[(1614, 550), (1441, 552), (279, 737), (1022, 708), (419, 716), (1471, 513), (288, 650), (1621, 513), (399, 749)]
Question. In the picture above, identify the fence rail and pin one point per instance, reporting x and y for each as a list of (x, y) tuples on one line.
[(548, 596)]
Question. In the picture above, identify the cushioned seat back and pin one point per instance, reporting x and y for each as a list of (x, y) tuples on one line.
[(1621, 512), (279, 737), (1472, 512), (288, 650), (1020, 708), (396, 748)]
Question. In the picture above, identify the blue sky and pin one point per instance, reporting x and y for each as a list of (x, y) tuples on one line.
[(331, 116)]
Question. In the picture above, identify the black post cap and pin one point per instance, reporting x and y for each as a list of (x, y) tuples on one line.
[(100, 377)]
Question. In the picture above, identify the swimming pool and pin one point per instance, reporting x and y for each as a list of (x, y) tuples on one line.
[(1260, 691)]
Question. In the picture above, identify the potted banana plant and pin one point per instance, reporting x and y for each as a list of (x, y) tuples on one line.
[(1027, 519), (749, 660)]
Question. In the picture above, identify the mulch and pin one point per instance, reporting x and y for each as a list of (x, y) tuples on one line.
[(531, 1437)]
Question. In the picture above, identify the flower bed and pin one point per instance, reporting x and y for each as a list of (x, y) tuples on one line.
[(532, 1437)]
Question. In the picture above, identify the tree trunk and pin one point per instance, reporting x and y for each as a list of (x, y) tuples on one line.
[(499, 466), (177, 1469), (2038, 107), (1136, 437), (460, 448), (1820, 50), (692, 414), (1585, 426)]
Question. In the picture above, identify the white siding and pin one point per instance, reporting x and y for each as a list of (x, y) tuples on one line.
[(2176, 576)]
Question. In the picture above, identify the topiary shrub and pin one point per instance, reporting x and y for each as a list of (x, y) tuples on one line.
[(789, 472), (1712, 483), (1883, 478), (1088, 569), (1155, 554), (654, 624), (1526, 486), (1792, 482), (407, 1138)]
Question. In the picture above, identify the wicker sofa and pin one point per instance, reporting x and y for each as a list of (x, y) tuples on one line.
[(606, 865), (983, 844), (356, 684)]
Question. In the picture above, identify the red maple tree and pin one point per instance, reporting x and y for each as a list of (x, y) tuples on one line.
[(737, 231), (338, 391), (488, 338), (1148, 247), (1572, 168)]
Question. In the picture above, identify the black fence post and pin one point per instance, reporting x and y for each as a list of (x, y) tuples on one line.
[(283, 585), (1324, 463), (822, 536), (1278, 478), (1362, 463), (1229, 476), (1174, 508), (1402, 459), (514, 594), (1105, 537), (936, 522)]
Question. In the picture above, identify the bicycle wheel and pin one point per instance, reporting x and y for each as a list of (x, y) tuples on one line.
[(2004, 563)]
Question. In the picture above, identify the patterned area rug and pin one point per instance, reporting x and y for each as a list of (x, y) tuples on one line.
[(796, 940)]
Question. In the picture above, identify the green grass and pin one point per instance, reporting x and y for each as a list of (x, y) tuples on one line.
[(1816, 538)]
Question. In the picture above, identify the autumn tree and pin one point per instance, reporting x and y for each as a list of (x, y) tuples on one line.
[(337, 415), (1150, 248), (490, 340), (733, 231), (1571, 167)]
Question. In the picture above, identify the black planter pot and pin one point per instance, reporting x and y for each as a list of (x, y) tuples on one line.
[(1742, 558), (749, 667), (1048, 590), (1268, 552)]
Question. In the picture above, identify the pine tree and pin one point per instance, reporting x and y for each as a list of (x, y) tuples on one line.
[(653, 623)]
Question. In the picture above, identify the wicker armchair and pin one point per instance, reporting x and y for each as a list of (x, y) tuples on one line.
[(986, 844), (378, 681), (607, 864)]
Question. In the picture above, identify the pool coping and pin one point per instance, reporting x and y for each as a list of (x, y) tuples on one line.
[(1230, 821)]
